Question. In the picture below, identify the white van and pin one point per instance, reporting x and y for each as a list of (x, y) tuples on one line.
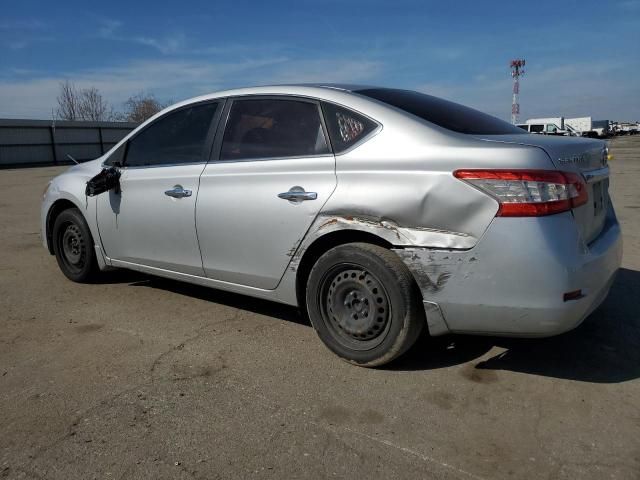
[(543, 128)]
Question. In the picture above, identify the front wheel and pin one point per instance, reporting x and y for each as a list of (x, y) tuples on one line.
[(364, 304), (73, 246)]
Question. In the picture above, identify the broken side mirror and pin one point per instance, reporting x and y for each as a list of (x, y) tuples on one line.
[(107, 179)]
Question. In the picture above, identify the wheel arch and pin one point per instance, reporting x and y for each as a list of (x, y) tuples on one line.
[(55, 210), (323, 244)]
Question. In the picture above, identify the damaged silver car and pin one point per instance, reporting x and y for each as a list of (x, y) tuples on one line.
[(381, 213)]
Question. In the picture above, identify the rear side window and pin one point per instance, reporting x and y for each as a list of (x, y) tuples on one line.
[(536, 128), (273, 128), (443, 113), (178, 137), (346, 127)]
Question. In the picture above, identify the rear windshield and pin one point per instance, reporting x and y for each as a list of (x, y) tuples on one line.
[(443, 113)]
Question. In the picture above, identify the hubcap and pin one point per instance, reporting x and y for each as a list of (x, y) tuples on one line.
[(356, 306), (72, 245)]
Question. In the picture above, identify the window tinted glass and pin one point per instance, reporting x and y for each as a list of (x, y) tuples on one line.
[(449, 115), (523, 127), (117, 156), (272, 129), (536, 128), (178, 137), (346, 127)]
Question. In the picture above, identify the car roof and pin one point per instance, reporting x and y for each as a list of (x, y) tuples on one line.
[(339, 93), (319, 90), (346, 87)]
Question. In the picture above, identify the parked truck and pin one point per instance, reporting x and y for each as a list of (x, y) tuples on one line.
[(545, 126), (625, 128), (587, 127)]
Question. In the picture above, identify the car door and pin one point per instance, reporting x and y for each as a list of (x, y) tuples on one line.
[(271, 172), (151, 221)]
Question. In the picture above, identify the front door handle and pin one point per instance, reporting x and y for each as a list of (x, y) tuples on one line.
[(178, 192), (297, 194)]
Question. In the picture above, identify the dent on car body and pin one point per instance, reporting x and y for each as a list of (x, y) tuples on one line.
[(397, 235), (401, 235), (433, 256), (433, 268)]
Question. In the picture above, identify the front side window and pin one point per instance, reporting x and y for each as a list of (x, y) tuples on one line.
[(273, 128), (117, 156), (176, 138)]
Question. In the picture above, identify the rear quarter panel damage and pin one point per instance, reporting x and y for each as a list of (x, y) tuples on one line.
[(399, 186)]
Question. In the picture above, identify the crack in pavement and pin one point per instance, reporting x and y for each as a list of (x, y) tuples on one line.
[(409, 451)]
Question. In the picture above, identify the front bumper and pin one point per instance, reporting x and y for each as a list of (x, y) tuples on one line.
[(513, 281)]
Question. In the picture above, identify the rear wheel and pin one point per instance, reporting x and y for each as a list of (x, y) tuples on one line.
[(73, 246), (364, 303)]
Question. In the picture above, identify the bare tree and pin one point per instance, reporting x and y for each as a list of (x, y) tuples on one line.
[(140, 107), (89, 104), (93, 107), (82, 104), (68, 102)]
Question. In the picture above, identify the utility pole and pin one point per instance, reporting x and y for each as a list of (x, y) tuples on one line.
[(517, 70)]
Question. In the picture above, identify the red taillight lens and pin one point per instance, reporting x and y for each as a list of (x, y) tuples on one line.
[(529, 193)]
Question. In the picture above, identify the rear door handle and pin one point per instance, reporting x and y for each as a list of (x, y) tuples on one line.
[(178, 192), (297, 194)]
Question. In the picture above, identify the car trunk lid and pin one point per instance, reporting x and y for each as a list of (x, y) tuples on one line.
[(587, 157)]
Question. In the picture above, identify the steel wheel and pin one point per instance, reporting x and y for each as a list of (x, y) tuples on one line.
[(356, 306), (73, 246), (364, 304)]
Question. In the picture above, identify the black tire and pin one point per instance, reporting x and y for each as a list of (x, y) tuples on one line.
[(73, 246), (364, 304)]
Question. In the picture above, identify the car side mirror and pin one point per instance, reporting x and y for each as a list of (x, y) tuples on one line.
[(107, 179)]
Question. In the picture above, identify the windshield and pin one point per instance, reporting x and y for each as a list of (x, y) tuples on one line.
[(443, 113)]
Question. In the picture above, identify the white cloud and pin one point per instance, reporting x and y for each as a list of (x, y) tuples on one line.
[(108, 27), (20, 34), (30, 25), (17, 44), (601, 90), (176, 80), (167, 45), (630, 4), (326, 70), (115, 30)]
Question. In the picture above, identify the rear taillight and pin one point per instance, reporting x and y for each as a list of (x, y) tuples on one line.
[(529, 193)]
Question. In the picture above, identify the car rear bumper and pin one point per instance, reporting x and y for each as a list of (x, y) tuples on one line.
[(513, 282)]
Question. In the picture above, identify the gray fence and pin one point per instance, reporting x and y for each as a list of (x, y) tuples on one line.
[(44, 142)]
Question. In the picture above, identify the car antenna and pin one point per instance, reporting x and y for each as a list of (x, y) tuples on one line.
[(73, 159)]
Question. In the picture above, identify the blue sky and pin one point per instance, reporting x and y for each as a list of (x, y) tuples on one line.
[(583, 57)]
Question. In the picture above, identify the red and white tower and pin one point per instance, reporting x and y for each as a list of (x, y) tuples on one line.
[(517, 69)]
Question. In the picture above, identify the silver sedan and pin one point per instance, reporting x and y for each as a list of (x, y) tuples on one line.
[(381, 213)]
